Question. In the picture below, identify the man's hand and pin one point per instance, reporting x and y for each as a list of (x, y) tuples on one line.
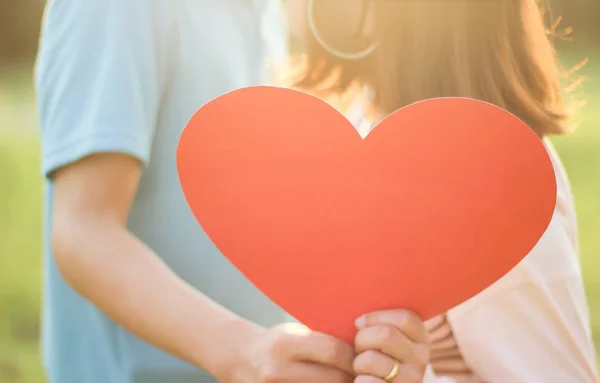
[(292, 353)]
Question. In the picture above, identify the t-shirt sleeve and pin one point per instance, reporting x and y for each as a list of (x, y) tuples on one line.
[(100, 72)]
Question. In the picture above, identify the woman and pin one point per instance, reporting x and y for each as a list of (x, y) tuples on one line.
[(532, 325)]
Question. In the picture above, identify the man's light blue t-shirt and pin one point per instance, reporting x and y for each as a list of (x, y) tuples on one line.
[(127, 76)]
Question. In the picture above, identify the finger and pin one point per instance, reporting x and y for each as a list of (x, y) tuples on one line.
[(317, 348), (407, 321), (444, 343), (451, 365), (379, 365), (399, 379), (368, 379), (435, 322), (392, 342), (300, 372), (440, 335), (443, 353)]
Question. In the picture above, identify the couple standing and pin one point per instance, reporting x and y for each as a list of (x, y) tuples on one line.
[(134, 290)]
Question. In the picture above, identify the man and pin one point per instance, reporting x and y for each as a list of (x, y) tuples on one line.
[(117, 83), (131, 280)]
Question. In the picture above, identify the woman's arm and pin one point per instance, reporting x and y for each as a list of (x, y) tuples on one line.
[(528, 333)]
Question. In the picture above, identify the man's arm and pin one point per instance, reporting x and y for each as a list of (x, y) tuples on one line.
[(102, 261), (100, 76)]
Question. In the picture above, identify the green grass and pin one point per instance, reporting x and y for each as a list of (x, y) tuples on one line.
[(20, 219), (20, 244)]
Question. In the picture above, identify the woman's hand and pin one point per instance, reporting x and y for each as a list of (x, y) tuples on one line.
[(290, 353), (391, 346)]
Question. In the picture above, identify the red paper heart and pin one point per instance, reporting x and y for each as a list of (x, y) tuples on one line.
[(442, 199)]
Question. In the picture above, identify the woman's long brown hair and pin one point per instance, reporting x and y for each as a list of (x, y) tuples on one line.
[(498, 51)]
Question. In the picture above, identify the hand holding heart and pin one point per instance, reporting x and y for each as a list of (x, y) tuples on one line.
[(292, 353), (392, 344)]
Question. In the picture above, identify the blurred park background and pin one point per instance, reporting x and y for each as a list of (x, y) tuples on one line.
[(21, 183)]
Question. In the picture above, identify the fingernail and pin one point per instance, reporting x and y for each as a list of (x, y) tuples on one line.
[(361, 322), (422, 353)]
